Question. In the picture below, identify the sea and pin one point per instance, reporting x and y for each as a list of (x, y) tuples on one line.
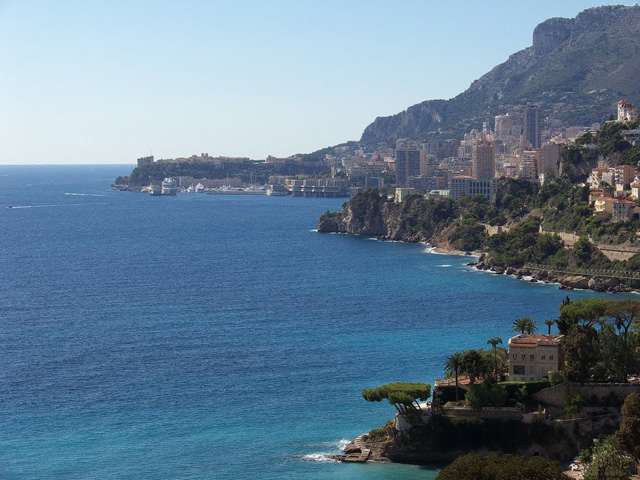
[(216, 336)]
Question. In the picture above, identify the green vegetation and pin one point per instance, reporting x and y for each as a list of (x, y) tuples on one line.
[(494, 342), (607, 461), (558, 206), (629, 433), (491, 466), (486, 395), (403, 396), (524, 325), (605, 353), (453, 367)]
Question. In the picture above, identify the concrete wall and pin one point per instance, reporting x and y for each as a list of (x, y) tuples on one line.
[(491, 230), (617, 253), (568, 238), (485, 413), (555, 396), (612, 252)]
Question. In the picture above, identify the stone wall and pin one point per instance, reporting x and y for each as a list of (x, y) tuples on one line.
[(617, 253), (485, 413), (555, 396), (568, 238), (494, 230)]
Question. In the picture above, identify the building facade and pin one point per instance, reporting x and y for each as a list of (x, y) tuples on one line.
[(462, 185), (627, 112), (532, 126), (407, 161), (483, 160), (533, 356)]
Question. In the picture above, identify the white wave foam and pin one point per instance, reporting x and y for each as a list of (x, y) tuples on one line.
[(85, 194), (335, 447), (318, 457), (314, 230), (14, 207), (444, 266)]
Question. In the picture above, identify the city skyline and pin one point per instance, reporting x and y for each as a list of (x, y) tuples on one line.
[(108, 83)]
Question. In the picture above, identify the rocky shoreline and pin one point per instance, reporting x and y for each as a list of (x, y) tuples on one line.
[(565, 282)]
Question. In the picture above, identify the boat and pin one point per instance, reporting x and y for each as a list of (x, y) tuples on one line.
[(154, 190), (169, 186), (277, 190)]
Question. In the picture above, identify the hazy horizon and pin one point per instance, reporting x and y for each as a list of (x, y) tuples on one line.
[(102, 83)]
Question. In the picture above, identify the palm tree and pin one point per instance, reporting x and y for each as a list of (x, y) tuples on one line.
[(474, 365), (494, 342), (524, 325), (549, 324), (452, 367)]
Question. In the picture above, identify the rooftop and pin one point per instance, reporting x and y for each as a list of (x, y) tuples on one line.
[(532, 340)]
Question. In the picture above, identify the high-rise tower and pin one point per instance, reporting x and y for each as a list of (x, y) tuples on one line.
[(483, 161), (407, 160), (532, 126)]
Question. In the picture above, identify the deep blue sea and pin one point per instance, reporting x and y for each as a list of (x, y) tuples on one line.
[(214, 337)]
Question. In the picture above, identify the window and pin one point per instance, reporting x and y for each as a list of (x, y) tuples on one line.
[(523, 355), (550, 357), (532, 357), (542, 357), (518, 369)]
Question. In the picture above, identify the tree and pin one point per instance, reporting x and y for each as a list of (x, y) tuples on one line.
[(524, 325), (615, 360), (629, 433), (491, 466), (494, 342), (607, 461), (474, 365), (625, 313), (549, 324), (589, 311), (555, 377), (486, 395), (452, 367), (403, 396), (581, 353)]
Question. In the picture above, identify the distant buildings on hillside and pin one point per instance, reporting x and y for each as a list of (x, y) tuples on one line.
[(513, 144)]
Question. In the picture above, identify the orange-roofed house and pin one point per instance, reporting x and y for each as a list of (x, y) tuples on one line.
[(627, 112), (533, 356)]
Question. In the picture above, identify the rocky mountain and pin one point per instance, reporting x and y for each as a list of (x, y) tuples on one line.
[(576, 71)]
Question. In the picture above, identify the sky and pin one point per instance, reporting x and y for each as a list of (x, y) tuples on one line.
[(106, 82)]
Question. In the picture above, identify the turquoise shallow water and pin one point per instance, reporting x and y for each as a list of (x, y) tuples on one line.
[(214, 337)]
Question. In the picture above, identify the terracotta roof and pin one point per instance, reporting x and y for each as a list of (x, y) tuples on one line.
[(533, 340), (626, 104)]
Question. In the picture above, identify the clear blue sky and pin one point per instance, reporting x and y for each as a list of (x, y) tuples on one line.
[(108, 81)]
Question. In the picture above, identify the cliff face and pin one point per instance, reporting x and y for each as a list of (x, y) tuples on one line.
[(575, 71), (369, 213)]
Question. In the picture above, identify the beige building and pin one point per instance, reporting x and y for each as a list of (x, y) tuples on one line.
[(403, 193), (483, 160), (533, 356), (627, 112)]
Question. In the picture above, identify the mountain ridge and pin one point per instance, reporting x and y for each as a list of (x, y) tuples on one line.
[(575, 70)]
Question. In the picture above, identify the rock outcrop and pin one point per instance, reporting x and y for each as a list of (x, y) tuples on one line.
[(609, 285)]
